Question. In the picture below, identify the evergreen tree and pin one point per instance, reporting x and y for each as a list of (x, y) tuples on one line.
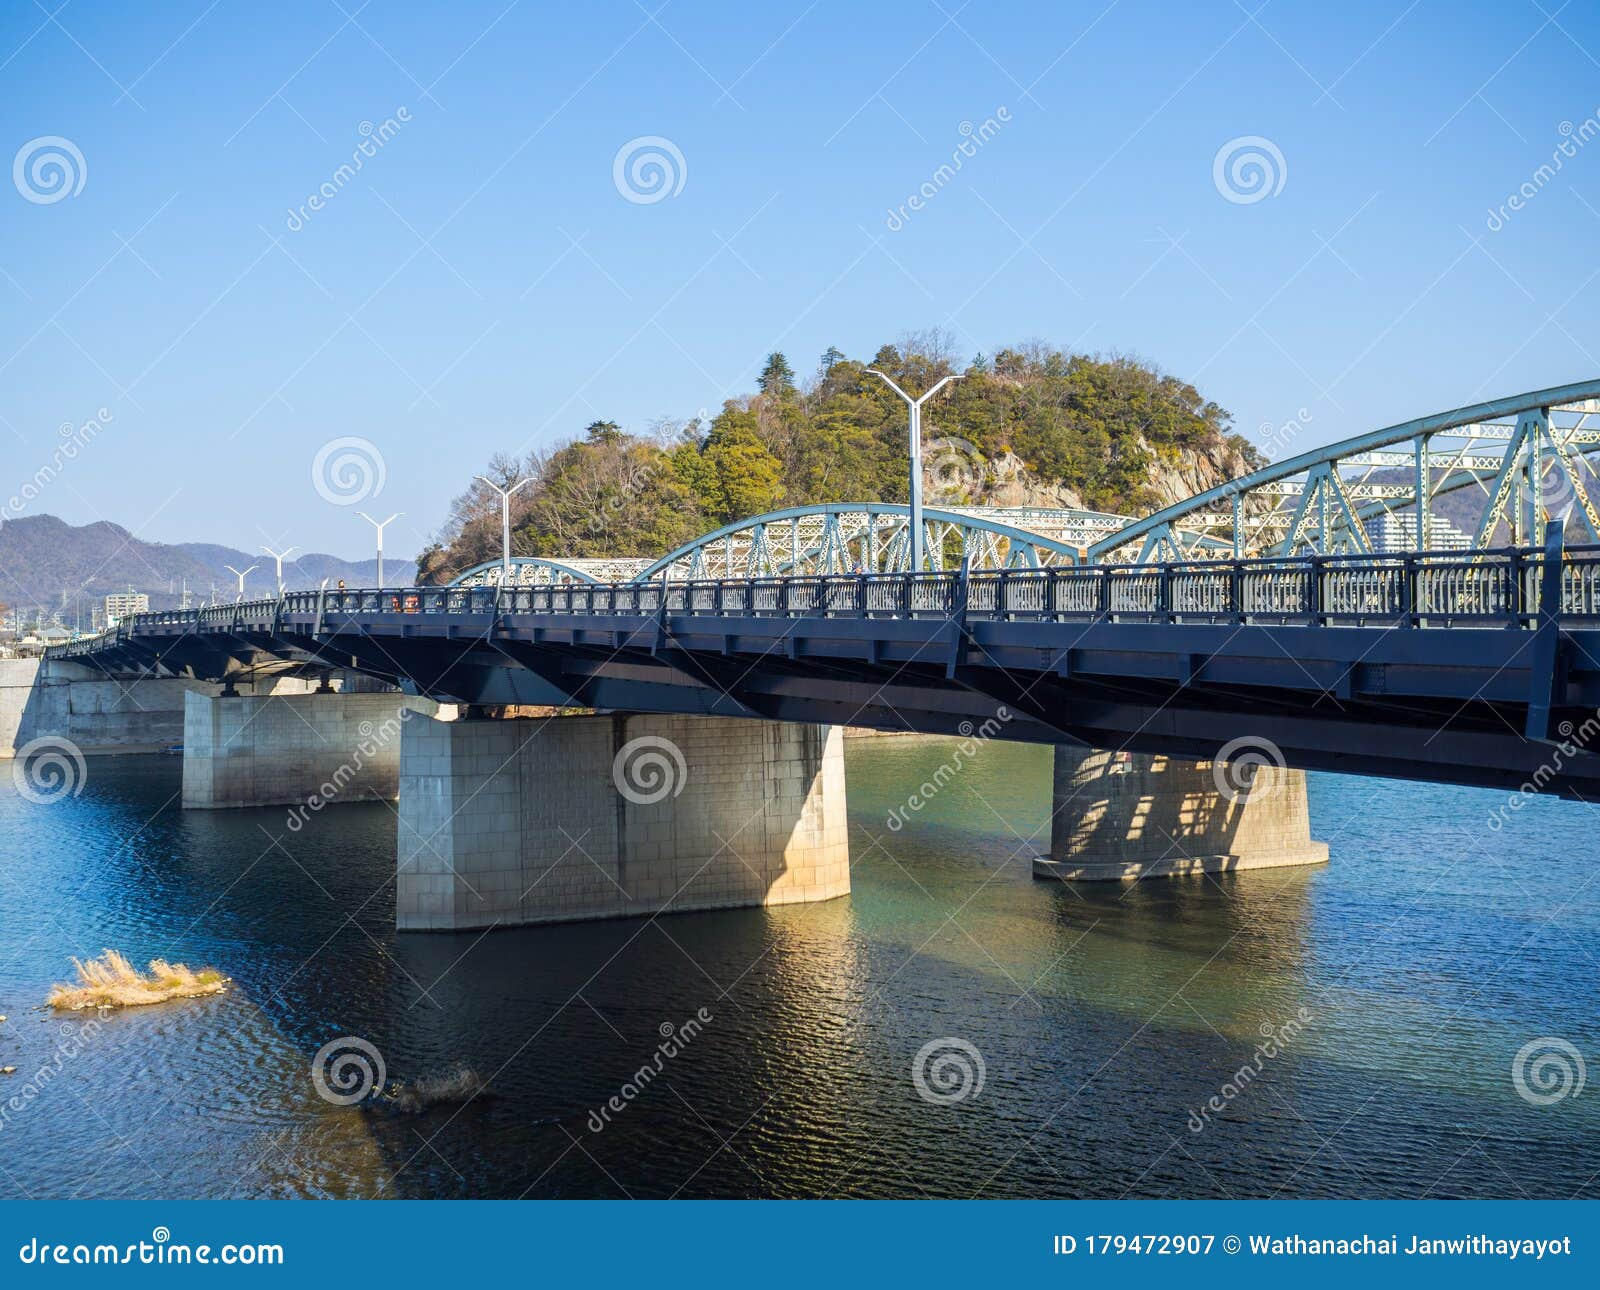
[(743, 477), (777, 377)]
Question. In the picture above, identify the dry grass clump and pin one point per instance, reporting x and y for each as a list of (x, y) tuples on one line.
[(458, 1084), (112, 982)]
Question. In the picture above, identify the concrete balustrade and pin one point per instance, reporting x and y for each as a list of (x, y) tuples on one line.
[(534, 821), (1119, 817)]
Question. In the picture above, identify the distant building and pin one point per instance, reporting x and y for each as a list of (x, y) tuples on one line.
[(38, 637), (1397, 531), (122, 603)]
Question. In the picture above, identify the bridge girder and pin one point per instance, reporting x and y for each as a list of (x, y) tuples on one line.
[(1340, 684)]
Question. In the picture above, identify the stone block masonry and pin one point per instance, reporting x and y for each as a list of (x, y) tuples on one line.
[(286, 749), (56, 700), (1119, 817), (533, 821), (60, 700)]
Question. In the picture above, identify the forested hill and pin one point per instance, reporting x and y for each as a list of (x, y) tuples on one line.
[(1027, 426)]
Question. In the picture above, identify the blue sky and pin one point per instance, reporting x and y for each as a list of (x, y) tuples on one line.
[(482, 284)]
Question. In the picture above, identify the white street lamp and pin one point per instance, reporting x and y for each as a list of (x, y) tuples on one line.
[(505, 525), (916, 459), (279, 557), (380, 528), (240, 576)]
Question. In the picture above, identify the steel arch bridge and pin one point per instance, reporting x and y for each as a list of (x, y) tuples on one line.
[(1460, 665), (839, 538), (1504, 468), (874, 537), (537, 571), (1523, 461)]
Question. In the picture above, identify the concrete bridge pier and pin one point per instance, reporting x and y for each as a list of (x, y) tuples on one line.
[(555, 819), (306, 748), (1124, 816)]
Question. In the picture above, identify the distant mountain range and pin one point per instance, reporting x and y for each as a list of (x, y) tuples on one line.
[(50, 564)]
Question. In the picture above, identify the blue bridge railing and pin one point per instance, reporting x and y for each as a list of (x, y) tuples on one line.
[(1498, 588)]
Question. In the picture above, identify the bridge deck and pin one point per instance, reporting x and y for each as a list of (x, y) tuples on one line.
[(1474, 669)]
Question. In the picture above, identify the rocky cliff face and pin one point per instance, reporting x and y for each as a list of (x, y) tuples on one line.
[(1191, 472), (959, 475)]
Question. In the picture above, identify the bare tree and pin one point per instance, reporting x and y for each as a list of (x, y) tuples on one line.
[(935, 346)]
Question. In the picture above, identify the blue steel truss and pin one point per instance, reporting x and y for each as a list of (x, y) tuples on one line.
[(537, 571), (872, 537), (837, 538), (1525, 460)]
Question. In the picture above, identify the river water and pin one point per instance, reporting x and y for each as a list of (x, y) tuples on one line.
[(1358, 1025)]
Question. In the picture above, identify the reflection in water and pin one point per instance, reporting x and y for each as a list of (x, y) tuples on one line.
[(1424, 957)]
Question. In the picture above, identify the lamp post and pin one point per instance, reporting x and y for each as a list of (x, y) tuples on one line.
[(916, 459), (380, 528), (279, 557), (505, 525), (240, 576)]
